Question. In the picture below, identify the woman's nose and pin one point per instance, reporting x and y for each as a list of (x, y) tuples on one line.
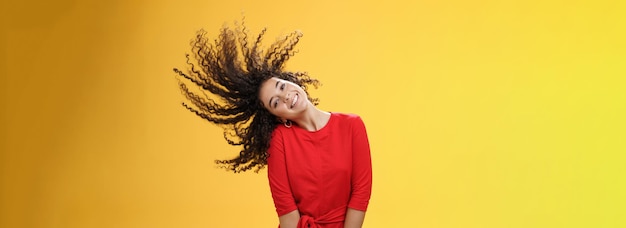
[(286, 97)]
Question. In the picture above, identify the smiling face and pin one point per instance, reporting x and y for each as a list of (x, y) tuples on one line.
[(283, 99)]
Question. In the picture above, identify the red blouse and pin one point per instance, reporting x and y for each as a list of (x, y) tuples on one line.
[(321, 173)]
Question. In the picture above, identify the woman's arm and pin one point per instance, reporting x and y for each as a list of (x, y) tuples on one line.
[(361, 176), (289, 220), (354, 218), (288, 213)]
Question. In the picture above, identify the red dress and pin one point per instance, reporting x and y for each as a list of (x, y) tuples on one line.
[(321, 173)]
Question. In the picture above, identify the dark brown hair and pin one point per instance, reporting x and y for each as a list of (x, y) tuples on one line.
[(228, 73)]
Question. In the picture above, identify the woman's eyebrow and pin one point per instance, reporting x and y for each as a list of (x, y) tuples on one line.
[(270, 101)]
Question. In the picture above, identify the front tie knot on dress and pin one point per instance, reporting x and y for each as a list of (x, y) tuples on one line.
[(334, 216)]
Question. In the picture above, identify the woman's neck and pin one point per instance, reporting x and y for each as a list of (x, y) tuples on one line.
[(313, 119)]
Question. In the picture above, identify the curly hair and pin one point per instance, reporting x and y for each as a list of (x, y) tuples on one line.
[(232, 70)]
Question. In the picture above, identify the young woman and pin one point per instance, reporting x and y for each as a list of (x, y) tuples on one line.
[(319, 165)]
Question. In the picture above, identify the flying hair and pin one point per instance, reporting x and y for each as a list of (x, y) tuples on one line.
[(227, 74)]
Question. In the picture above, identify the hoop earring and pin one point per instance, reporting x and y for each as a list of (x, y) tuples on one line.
[(287, 124)]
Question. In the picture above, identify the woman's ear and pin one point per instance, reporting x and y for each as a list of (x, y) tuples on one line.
[(281, 120)]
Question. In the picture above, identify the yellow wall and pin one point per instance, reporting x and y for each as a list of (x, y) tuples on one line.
[(480, 113)]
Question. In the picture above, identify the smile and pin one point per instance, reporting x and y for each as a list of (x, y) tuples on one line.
[(295, 99)]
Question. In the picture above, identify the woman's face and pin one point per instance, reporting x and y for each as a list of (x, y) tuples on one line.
[(283, 99)]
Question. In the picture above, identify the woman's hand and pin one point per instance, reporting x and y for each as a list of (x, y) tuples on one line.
[(289, 220), (354, 218)]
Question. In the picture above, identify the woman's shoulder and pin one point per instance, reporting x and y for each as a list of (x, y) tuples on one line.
[(347, 119), (346, 116)]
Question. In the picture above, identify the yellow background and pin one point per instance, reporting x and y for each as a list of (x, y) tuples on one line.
[(479, 113)]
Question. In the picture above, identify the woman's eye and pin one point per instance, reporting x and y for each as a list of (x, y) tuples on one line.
[(282, 86), (275, 104)]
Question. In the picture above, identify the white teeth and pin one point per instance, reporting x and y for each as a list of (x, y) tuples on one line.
[(295, 98)]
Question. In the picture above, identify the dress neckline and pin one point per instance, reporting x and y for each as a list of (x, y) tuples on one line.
[(319, 131)]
